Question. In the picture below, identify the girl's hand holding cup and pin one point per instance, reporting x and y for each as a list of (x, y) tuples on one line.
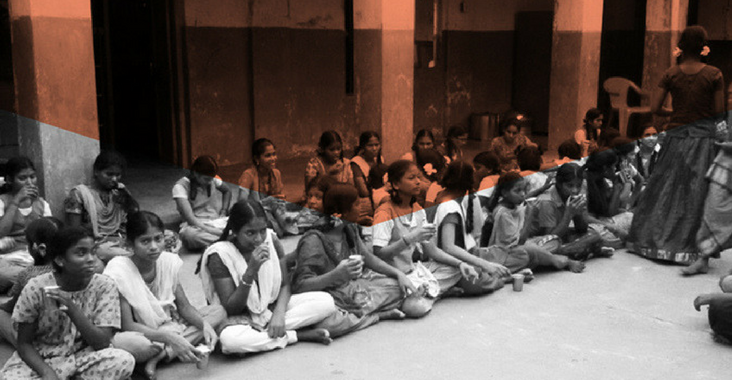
[(54, 293), (422, 233)]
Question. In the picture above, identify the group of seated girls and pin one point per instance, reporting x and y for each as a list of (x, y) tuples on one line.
[(99, 295)]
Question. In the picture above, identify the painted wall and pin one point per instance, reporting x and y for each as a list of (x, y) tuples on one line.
[(474, 67)]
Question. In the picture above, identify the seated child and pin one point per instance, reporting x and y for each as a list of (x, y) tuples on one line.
[(487, 171), (329, 160), (529, 161), (102, 206), (38, 236), (430, 164), (400, 228), (424, 139), (507, 244), (311, 215), (626, 150), (158, 321), (202, 199), (20, 204), (66, 318), (366, 157), (452, 148), (263, 183)]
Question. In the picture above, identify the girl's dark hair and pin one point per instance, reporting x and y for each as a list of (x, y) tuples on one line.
[(242, 213), (597, 201), (505, 182), (363, 139), (139, 222), (570, 149), (422, 133), (529, 158), (320, 182), (590, 115), (692, 41), (109, 158), (12, 168), (433, 157), (203, 165), (489, 160), (396, 172), (507, 122), (459, 177), (258, 148), (454, 132), (339, 199), (41, 231), (327, 139), (63, 240), (376, 176), (568, 173), (607, 136), (622, 145)]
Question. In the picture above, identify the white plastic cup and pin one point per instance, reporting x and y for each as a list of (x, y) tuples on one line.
[(46, 290), (518, 282), (205, 353), (358, 258)]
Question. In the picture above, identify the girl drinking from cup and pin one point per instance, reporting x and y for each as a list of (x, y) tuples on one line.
[(20, 204), (336, 260), (401, 230), (202, 199), (65, 319), (329, 160), (245, 272), (158, 321), (102, 206)]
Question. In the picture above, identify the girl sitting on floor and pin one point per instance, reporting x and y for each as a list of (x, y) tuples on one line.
[(487, 171), (20, 204), (367, 156), (263, 183), (65, 319), (364, 287), (245, 272), (401, 230), (452, 148), (431, 164), (102, 206), (202, 199), (329, 160), (158, 321), (509, 234), (456, 220), (508, 143), (529, 161), (423, 140)]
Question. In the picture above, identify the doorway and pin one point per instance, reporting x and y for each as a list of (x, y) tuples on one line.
[(134, 75)]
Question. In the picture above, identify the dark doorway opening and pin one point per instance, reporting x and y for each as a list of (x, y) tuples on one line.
[(134, 75)]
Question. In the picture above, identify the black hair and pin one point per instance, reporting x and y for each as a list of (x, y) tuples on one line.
[(607, 136), (258, 148), (396, 172), (505, 182), (41, 231), (622, 145), (597, 201), (569, 172), (327, 139), (139, 222), (339, 199), (242, 213), (529, 158), (321, 182), (459, 177), (12, 168), (590, 115), (63, 240), (422, 133), (434, 158), (108, 158), (203, 165), (454, 132), (692, 40), (363, 139), (570, 149), (489, 160)]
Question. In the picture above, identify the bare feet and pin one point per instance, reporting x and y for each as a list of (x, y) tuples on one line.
[(321, 336), (393, 314), (528, 275), (699, 266), (151, 366), (605, 252), (575, 266)]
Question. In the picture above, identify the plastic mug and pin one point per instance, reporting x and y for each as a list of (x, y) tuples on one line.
[(205, 353), (518, 282), (358, 258), (46, 289)]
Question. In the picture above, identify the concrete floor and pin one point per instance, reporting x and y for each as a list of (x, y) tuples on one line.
[(624, 318)]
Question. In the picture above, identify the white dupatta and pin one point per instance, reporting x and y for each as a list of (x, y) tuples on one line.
[(263, 292), (148, 308)]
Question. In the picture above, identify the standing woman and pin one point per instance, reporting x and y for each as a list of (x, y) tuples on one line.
[(201, 198), (670, 209), (246, 273), (20, 204), (66, 318), (368, 156)]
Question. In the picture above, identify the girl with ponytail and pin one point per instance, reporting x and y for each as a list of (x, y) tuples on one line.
[(246, 273)]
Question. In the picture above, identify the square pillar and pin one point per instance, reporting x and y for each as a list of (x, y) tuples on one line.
[(55, 90), (575, 66)]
